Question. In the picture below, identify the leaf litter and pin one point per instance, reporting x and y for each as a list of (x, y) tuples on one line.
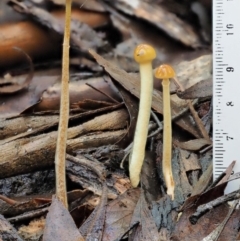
[(104, 92)]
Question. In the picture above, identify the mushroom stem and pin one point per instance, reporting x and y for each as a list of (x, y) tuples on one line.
[(167, 139), (165, 72), (60, 155), (141, 132)]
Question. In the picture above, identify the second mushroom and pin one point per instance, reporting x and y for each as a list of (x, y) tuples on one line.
[(165, 72)]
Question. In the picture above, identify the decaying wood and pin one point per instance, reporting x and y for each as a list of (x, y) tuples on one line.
[(29, 154), (158, 16), (25, 126)]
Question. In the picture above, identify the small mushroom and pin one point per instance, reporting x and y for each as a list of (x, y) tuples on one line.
[(165, 72), (143, 54)]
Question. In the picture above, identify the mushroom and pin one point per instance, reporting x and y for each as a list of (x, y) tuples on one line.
[(165, 72), (143, 54)]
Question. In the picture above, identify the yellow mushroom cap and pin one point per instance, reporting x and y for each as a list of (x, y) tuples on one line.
[(165, 71), (144, 53)]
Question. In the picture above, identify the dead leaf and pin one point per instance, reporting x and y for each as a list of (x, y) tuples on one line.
[(192, 72), (60, 225), (119, 214), (7, 232), (92, 228), (8, 86), (27, 97), (78, 91), (202, 88), (146, 229), (192, 145), (132, 107)]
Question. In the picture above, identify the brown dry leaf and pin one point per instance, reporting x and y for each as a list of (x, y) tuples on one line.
[(7, 85), (190, 161), (27, 97), (192, 145), (92, 228), (192, 72), (78, 91), (206, 224), (203, 88), (7, 232), (132, 84), (146, 228), (60, 225), (132, 107), (166, 21), (204, 181), (119, 214), (184, 230)]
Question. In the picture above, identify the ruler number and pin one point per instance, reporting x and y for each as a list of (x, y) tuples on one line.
[(229, 103), (230, 69), (229, 26)]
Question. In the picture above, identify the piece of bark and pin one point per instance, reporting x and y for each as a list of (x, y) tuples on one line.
[(146, 228), (164, 20), (28, 154)]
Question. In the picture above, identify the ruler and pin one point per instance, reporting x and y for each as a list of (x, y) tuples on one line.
[(226, 87)]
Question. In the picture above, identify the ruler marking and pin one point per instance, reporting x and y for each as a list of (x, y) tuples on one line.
[(226, 76)]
